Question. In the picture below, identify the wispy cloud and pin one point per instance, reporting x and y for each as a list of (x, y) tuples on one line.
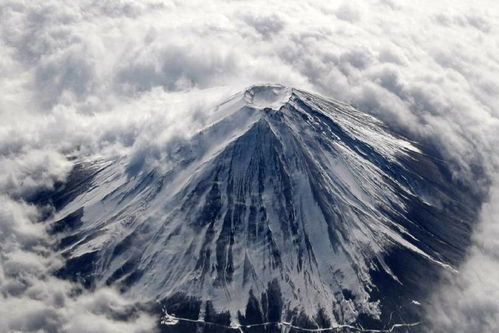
[(125, 77)]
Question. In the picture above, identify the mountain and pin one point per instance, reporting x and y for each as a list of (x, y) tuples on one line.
[(287, 207)]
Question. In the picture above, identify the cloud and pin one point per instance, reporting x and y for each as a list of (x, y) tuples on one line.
[(31, 300), (266, 25), (27, 172), (347, 12), (468, 303), (118, 78)]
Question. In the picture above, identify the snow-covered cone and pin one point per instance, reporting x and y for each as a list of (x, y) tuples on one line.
[(288, 207)]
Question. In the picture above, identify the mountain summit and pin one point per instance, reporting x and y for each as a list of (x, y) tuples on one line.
[(287, 207)]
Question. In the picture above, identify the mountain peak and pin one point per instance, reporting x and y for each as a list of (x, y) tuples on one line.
[(267, 95)]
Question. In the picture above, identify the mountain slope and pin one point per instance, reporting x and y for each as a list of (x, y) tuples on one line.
[(288, 206)]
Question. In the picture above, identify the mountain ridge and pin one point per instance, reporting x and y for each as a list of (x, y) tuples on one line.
[(284, 196)]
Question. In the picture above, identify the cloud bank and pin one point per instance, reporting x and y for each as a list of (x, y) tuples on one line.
[(112, 78)]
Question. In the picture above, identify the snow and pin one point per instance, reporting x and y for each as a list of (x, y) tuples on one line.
[(267, 96), (303, 164)]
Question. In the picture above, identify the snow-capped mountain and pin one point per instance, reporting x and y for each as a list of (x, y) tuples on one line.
[(287, 207)]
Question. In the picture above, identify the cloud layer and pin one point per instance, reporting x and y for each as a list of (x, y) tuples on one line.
[(111, 78)]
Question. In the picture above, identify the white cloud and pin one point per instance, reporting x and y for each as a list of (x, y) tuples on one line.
[(469, 303), (31, 300), (117, 77), (348, 12)]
